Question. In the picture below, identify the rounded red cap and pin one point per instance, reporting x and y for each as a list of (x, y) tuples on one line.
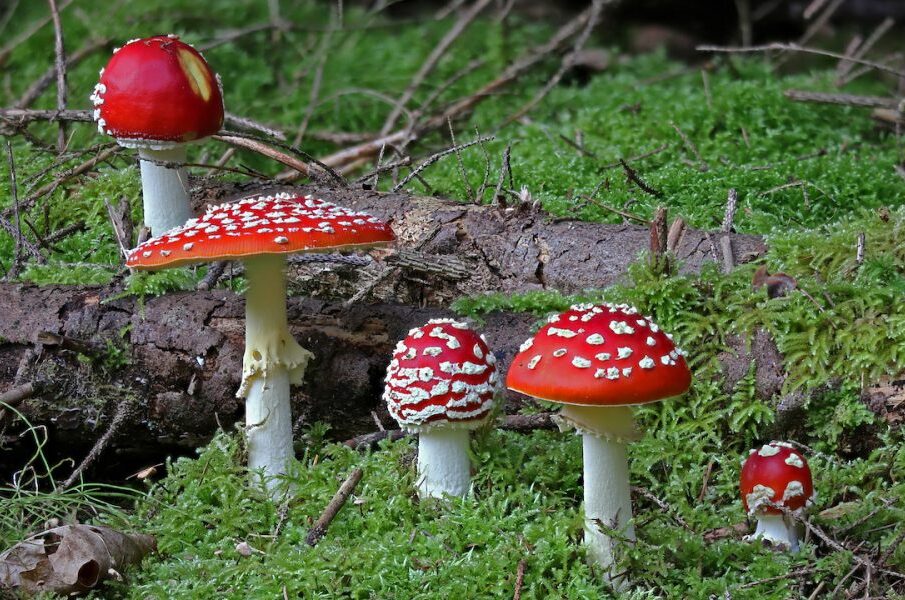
[(776, 473), (282, 223), (599, 355), (442, 373), (157, 91)]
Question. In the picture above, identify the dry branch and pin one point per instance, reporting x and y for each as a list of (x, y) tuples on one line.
[(319, 530)]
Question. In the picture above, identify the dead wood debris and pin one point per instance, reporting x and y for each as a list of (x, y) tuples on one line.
[(319, 529)]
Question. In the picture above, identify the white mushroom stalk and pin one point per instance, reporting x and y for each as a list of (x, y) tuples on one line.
[(779, 530), (273, 361), (165, 189), (441, 384)]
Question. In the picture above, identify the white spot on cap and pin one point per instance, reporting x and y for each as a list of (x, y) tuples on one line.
[(794, 488), (612, 373), (595, 339), (533, 362), (760, 494), (621, 327), (281, 239), (626, 371), (477, 351), (794, 460), (646, 363), (188, 246), (559, 352), (432, 351), (624, 352), (769, 450), (581, 363), (651, 341), (603, 356), (564, 333), (526, 345), (599, 373), (165, 253)]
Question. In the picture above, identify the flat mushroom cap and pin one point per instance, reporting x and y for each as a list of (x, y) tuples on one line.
[(441, 374), (599, 355), (157, 92), (775, 473), (282, 223)]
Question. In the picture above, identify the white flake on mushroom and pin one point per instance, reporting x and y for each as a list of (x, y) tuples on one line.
[(595, 339), (563, 333), (769, 450), (623, 352), (581, 363), (646, 363), (793, 460), (621, 328)]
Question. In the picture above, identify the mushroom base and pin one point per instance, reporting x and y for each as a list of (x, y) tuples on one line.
[(778, 530), (443, 464), (268, 425), (165, 190), (607, 501)]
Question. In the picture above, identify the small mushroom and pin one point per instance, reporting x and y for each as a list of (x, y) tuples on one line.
[(156, 94), (441, 384), (776, 476), (598, 360), (261, 231)]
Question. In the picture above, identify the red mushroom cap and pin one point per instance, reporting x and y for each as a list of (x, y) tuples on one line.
[(776, 473), (599, 355), (282, 223), (157, 91), (441, 373)]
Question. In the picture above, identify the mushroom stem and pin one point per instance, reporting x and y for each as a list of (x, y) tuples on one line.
[(443, 464), (776, 530), (273, 361), (607, 495), (165, 190)]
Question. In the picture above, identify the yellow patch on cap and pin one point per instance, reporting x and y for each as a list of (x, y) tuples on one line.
[(196, 73)]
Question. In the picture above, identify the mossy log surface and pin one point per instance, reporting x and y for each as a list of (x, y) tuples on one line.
[(178, 357)]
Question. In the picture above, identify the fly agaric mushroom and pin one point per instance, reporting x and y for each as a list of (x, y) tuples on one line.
[(774, 477), (156, 94), (261, 231), (441, 384), (598, 360)]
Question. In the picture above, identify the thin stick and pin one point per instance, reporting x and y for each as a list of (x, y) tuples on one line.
[(648, 154), (252, 125), (567, 62), (452, 137), (796, 48), (820, 22), (633, 176), (866, 47), (37, 88), (691, 146), (729, 217), (461, 24), (859, 250), (119, 418), (519, 579), (60, 53), (621, 213), (323, 51), (437, 156), (498, 196), (27, 33), (842, 99), (319, 530)]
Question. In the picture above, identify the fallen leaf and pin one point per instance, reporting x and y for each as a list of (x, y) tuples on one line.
[(70, 559)]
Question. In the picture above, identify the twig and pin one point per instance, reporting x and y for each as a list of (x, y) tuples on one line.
[(648, 154), (743, 9), (323, 51), (859, 250), (30, 31), (633, 176), (789, 575), (843, 66), (431, 61), (566, 64), (499, 198), (796, 48), (843, 99), (214, 272), (846, 66), (17, 394), (461, 163), (437, 156), (622, 213), (666, 508), (123, 410), (728, 253), (519, 579), (820, 22), (60, 64), (35, 90), (729, 217), (339, 499), (252, 125), (674, 237), (691, 146)]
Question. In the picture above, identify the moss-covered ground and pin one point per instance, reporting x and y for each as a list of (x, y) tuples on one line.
[(810, 178)]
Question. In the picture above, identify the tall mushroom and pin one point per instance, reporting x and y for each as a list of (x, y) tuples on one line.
[(441, 384), (773, 477), (261, 231), (598, 360), (156, 94)]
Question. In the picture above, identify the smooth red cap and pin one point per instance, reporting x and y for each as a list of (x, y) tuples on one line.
[(599, 355), (282, 223), (158, 89), (441, 373), (777, 473)]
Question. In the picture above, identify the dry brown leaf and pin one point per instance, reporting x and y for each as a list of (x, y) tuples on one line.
[(70, 559)]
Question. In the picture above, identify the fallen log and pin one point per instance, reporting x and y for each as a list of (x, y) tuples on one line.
[(183, 362)]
